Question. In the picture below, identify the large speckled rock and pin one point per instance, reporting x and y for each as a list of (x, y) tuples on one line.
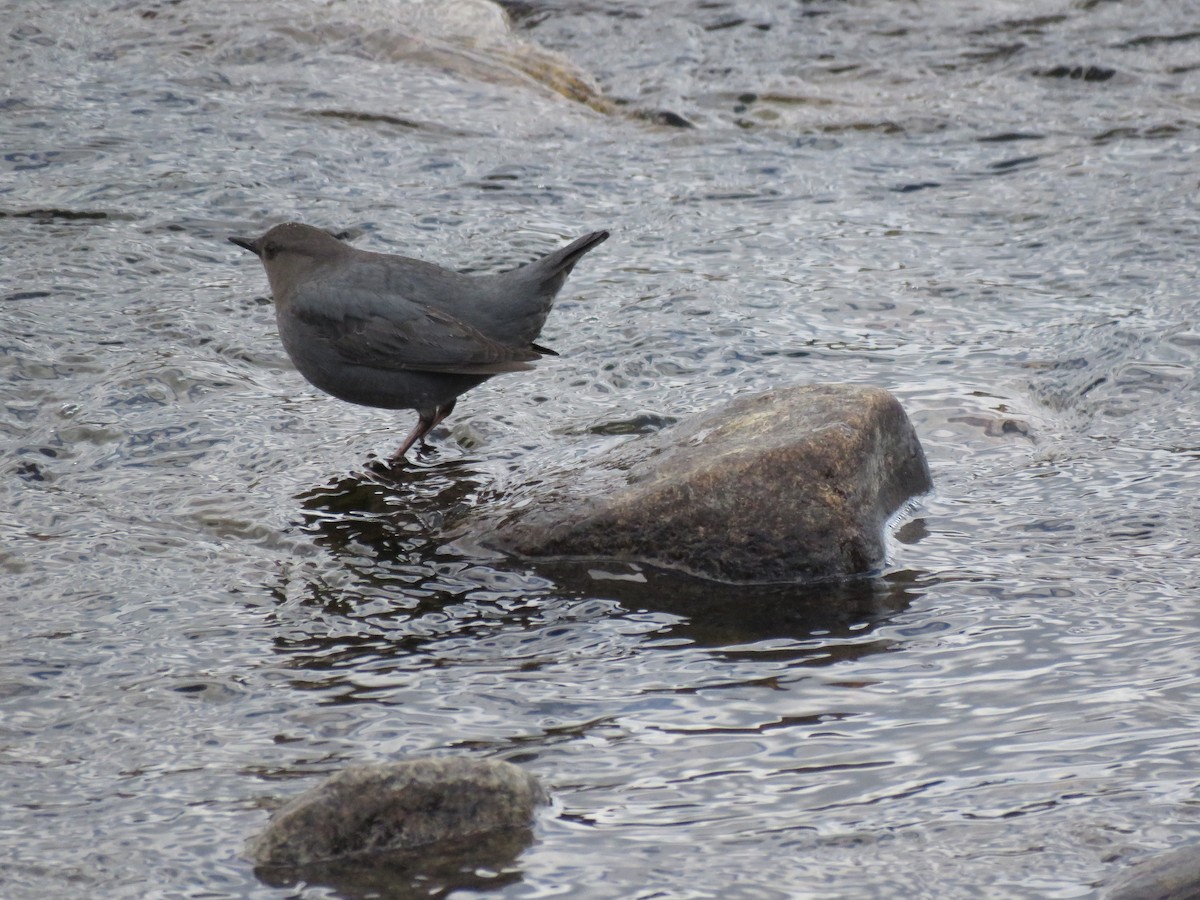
[(1174, 875), (790, 485), (397, 806)]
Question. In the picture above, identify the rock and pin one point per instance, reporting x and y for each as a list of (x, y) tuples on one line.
[(1079, 73), (470, 38), (1174, 875), (397, 806), (791, 485)]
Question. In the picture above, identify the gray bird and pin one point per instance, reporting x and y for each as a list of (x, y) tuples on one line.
[(398, 333)]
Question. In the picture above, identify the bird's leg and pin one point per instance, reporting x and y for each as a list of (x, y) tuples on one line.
[(426, 422), (442, 412)]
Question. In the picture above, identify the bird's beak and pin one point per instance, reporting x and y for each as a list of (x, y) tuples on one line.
[(245, 244)]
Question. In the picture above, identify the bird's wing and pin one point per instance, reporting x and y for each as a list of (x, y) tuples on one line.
[(422, 339)]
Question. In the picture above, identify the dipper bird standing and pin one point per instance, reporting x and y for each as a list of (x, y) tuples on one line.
[(399, 333)]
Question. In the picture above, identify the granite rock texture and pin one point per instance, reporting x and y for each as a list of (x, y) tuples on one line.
[(397, 806)]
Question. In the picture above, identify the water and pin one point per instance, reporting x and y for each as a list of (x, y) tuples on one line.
[(212, 602)]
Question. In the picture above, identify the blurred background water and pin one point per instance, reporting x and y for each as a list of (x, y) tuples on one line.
[(211, 601)]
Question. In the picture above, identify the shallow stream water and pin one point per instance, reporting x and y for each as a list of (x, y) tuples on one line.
[(211, 600)]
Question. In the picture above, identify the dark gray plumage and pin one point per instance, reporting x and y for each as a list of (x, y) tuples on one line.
[(399, 333)]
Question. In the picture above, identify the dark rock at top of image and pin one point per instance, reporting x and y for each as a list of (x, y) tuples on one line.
[(373, 809), (790, 485)]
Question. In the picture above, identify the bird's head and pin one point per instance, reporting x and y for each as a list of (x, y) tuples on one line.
[(292, 253)]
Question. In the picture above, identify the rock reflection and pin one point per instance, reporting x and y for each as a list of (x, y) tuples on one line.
[(386, 588), (481, 863), (393, 509), (724, 616)]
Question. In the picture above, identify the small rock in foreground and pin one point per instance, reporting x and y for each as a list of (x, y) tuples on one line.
[(790, 485), (397, 806)]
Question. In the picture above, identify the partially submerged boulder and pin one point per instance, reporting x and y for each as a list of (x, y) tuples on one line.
[(790, 485), (397, 806)]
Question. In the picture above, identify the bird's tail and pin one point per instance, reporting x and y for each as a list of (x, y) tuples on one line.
[(552, 270)]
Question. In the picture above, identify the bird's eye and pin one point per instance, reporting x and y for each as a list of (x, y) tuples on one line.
[(271, 250)]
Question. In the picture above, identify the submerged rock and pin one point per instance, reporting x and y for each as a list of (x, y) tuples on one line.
[(470, 38), (397, 806), (790, 485)]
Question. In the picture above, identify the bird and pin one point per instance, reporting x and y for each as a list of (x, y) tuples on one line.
[(389, 331)]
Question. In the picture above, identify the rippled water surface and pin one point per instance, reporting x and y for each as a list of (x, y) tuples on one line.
[(211, 599)]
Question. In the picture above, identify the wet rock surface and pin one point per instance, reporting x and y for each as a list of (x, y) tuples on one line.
[(788, 485), (397, 807)]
